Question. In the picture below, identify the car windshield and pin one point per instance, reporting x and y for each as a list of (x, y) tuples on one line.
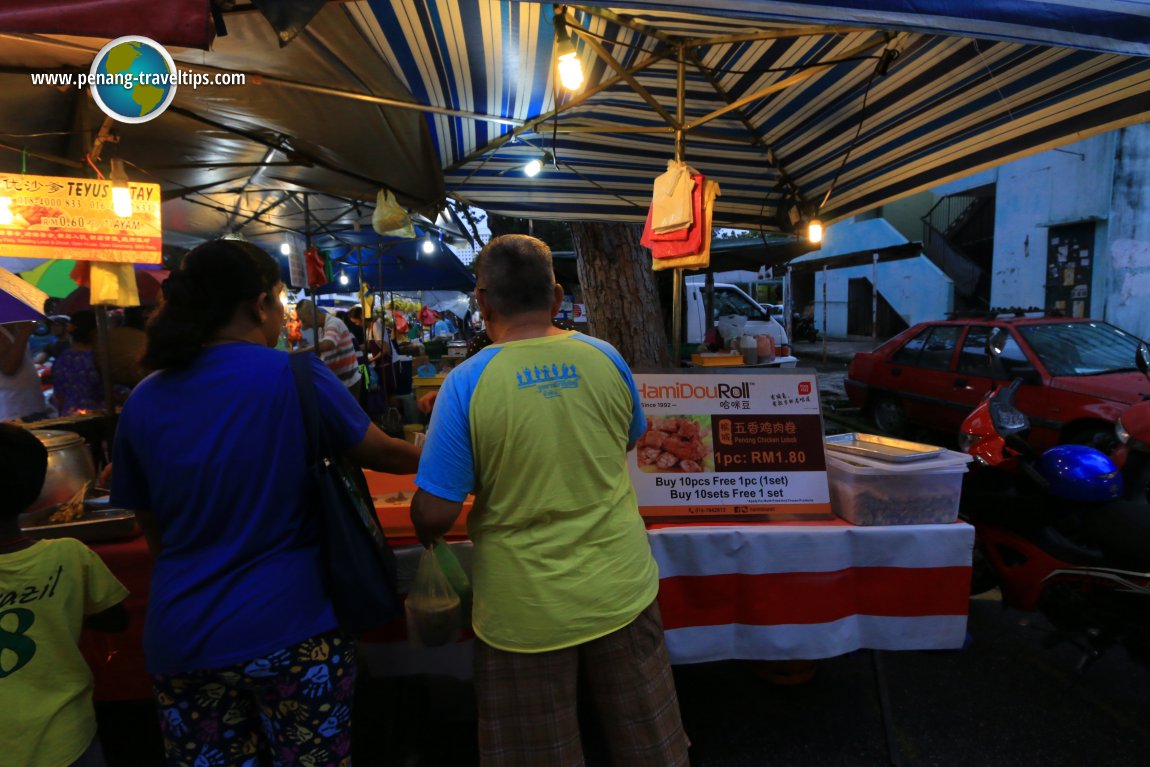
[(728, 302), (1081, 348)]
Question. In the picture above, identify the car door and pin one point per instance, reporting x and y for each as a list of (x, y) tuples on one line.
[(975, 376), (921, 374)]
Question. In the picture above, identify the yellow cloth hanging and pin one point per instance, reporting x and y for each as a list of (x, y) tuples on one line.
[(702, 259), (114, 284), (671, 207)]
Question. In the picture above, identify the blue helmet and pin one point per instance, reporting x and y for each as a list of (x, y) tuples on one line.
[(1080, 473)]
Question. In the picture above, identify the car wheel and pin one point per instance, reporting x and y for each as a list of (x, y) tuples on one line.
[(889, 416)]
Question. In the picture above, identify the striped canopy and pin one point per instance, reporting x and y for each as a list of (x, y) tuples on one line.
[(797, 109)]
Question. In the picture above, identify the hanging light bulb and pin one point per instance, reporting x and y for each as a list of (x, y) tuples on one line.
[(6, 216), (121, 192), (342, 278), (570, 67), (285, 248), (532, 168), (815, 231), (428, 246)]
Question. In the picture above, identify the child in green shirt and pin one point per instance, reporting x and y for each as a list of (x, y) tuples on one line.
[(49, 590)]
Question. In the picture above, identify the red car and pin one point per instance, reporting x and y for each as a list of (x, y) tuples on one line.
[(1079, 375)]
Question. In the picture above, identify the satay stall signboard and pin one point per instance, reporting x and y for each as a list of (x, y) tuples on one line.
[(730, 445), (57, 217)]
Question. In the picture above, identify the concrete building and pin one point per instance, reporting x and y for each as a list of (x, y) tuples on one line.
[(1066, 230)]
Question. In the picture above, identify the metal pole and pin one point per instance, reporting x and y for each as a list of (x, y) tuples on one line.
[(105, 355), (874, 298), (788, 302), (310, 289), (677, 290), (824, 312)]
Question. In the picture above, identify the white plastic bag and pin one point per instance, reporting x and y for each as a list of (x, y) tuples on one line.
[(388, 214), (434, 611)]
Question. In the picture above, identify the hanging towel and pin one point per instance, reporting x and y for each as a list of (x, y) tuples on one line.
[(114, 284), (671, 198), (677, 243), (702, 259)]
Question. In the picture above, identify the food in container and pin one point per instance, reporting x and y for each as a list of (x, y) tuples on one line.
[(868, 491)]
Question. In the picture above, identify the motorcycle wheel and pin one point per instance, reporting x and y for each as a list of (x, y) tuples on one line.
[(889, 416)]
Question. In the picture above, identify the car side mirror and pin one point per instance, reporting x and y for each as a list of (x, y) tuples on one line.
[(1142, 358)]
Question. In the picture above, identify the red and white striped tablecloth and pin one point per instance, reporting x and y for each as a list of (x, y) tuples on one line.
[(775, 592)]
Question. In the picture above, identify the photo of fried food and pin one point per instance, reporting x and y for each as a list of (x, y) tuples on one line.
[(676, 444), (35, 214)]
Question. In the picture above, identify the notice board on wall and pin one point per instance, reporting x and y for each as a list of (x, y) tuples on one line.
[(59, 217), (731, 445)]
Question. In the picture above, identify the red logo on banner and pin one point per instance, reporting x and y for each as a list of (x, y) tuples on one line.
[(804, 388)]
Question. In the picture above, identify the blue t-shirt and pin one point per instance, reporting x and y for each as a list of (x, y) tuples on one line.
[(217, 453)]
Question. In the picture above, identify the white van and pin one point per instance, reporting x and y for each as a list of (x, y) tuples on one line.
[(729, 300)]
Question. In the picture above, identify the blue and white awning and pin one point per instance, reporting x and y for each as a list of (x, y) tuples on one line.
[(868, 102)]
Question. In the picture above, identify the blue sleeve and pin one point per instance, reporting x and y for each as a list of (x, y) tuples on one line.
[(638, 420), (129, 481), (447, 463), (344, 420)]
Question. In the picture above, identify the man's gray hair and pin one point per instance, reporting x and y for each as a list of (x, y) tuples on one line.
[(515, 274)]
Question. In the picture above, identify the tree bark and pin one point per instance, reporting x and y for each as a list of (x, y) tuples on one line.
[(619, 290)]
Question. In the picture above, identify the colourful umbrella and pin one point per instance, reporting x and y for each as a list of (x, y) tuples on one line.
[(19, 301), (54, 277)]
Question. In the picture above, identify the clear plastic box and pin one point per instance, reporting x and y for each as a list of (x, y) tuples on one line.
[(868, 491)]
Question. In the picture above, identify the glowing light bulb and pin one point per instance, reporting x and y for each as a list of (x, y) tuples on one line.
[(343, 279), (532, 168), (121, 192), (285, 248), (815, 230), (428, 246), (571, 71)]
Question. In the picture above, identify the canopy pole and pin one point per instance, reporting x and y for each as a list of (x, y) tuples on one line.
[(310, 289), (677, 290)]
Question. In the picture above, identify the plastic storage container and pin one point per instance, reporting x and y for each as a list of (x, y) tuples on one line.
[(868, 491)]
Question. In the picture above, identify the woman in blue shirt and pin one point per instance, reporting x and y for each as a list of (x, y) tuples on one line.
[(210, 451)]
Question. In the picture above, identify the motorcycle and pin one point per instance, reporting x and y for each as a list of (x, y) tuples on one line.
[(1133, 451), (803, 328), (1052, 530)]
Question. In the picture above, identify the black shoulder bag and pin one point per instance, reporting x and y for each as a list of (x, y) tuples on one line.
[(359, 566)]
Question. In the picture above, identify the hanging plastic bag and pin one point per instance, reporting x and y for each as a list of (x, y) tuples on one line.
[(454, 572), (388, 214), (434, 610), (671, 198)]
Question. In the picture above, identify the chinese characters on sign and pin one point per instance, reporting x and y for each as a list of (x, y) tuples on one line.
[(51, 217), (730, 445)]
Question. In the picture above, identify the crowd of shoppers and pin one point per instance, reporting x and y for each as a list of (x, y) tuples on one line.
[(248, 662)]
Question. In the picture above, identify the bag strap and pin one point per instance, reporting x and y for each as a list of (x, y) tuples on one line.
[(309, 406)]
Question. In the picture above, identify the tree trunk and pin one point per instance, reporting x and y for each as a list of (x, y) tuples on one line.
[(619, 290)]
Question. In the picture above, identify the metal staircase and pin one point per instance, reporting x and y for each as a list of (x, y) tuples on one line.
[(958, 237)]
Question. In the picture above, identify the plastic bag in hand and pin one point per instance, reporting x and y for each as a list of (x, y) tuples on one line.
[(434, 610)]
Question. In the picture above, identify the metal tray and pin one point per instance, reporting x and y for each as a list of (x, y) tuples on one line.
[(883, 448), (98, 524)]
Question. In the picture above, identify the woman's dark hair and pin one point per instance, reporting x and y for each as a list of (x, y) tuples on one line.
[(23, 466), (202, 296), (83, 326)]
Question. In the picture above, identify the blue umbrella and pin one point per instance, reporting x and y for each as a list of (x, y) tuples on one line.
[(19, 301)]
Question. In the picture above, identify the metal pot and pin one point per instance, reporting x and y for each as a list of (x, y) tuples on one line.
[(70, 467)]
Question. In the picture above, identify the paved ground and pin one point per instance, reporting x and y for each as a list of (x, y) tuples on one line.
[(1004, 701)]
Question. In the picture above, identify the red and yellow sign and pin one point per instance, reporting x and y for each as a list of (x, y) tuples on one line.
[(732, 445), (56, 217)]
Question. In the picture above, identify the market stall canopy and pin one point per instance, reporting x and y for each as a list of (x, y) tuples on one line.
[(794, 108), (388, 264), (313, 117)]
